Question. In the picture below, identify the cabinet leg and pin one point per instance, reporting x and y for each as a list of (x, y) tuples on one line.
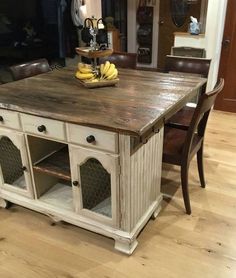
[(126, 247), (156, 212), (54, 219), (4, 204)]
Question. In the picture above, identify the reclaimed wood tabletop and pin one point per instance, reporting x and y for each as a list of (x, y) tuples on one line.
[(140, 101)]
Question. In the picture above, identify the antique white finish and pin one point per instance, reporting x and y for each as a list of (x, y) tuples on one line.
[(11, 119), (135, 173), (19, 141), (54, 129), (110, 163), (104, 140)]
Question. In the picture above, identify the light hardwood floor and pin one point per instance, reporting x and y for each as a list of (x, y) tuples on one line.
[(174, 245)]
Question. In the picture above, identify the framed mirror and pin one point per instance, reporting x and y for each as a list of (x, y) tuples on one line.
[(179, 11)]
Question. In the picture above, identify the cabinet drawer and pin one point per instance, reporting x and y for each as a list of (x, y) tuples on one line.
[(94, 138), (9, 119), (44, 127)]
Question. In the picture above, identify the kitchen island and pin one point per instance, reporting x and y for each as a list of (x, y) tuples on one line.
[(90, 157)]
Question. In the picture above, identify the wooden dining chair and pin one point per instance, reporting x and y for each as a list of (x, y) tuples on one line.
[(29, 69), (188, 65), (121, 60), (181, 143)]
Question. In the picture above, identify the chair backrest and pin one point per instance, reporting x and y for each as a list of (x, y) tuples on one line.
[(188, 65), (201, 114), (188, 51), (122, 59), (29, 69)]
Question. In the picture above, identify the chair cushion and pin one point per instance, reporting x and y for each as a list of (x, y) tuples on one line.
[(174, 140)]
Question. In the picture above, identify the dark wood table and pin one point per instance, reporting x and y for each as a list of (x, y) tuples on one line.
[(141, 100)]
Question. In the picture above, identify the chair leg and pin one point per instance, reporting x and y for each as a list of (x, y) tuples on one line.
[(200, 167), (184, 181)]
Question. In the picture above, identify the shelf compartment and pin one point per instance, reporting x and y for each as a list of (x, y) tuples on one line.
[(56, 164), (59, 196)]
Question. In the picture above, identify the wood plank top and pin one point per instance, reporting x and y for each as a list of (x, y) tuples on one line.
[(141, 100)]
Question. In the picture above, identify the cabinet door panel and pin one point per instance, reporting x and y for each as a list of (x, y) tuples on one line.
[(14, 163), (95, 176)]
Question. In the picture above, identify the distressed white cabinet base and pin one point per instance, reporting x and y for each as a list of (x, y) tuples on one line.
[(3, 203), (130, 173), (126, 247)]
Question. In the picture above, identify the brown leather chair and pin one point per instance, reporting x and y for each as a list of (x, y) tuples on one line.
[(29, 69), (189, 65), (121, 59), (181, 143)]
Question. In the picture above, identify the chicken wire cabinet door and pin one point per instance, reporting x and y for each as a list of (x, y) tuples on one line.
[(95, 179), (14, 164)]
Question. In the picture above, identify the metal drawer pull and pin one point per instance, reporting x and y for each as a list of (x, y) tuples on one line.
[(75, 183), (90, 139), (42, 128)]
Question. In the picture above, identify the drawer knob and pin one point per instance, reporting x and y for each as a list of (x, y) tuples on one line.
[(24, 168), (42, 128), (90, 139), (75, 183), (1, 119)]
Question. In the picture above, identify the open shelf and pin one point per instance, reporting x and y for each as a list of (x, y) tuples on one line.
[(60, 195), (56, 164)]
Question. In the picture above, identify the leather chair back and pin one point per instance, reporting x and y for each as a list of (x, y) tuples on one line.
[(29, 69), (121, 60), (188, 65)]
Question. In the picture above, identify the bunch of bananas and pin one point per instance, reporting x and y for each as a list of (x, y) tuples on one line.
[(108, 71), (85, 72)]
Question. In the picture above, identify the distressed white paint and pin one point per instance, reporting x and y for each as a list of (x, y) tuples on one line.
[(104, 140), (11, 119), (140, 179), (18, 140), (54, 129), (135, 182)]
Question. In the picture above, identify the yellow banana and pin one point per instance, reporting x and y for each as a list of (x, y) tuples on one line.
[(113, 75), (106, 67), (110, 70), (84, 68), (84, 76), (101, 69), (83, 65)]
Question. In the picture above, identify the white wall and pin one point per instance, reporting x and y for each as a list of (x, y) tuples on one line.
[(213, 37), (94, 7), (214, 34)]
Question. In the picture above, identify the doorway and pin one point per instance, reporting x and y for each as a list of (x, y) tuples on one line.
[(226, 101), (174, 16)]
